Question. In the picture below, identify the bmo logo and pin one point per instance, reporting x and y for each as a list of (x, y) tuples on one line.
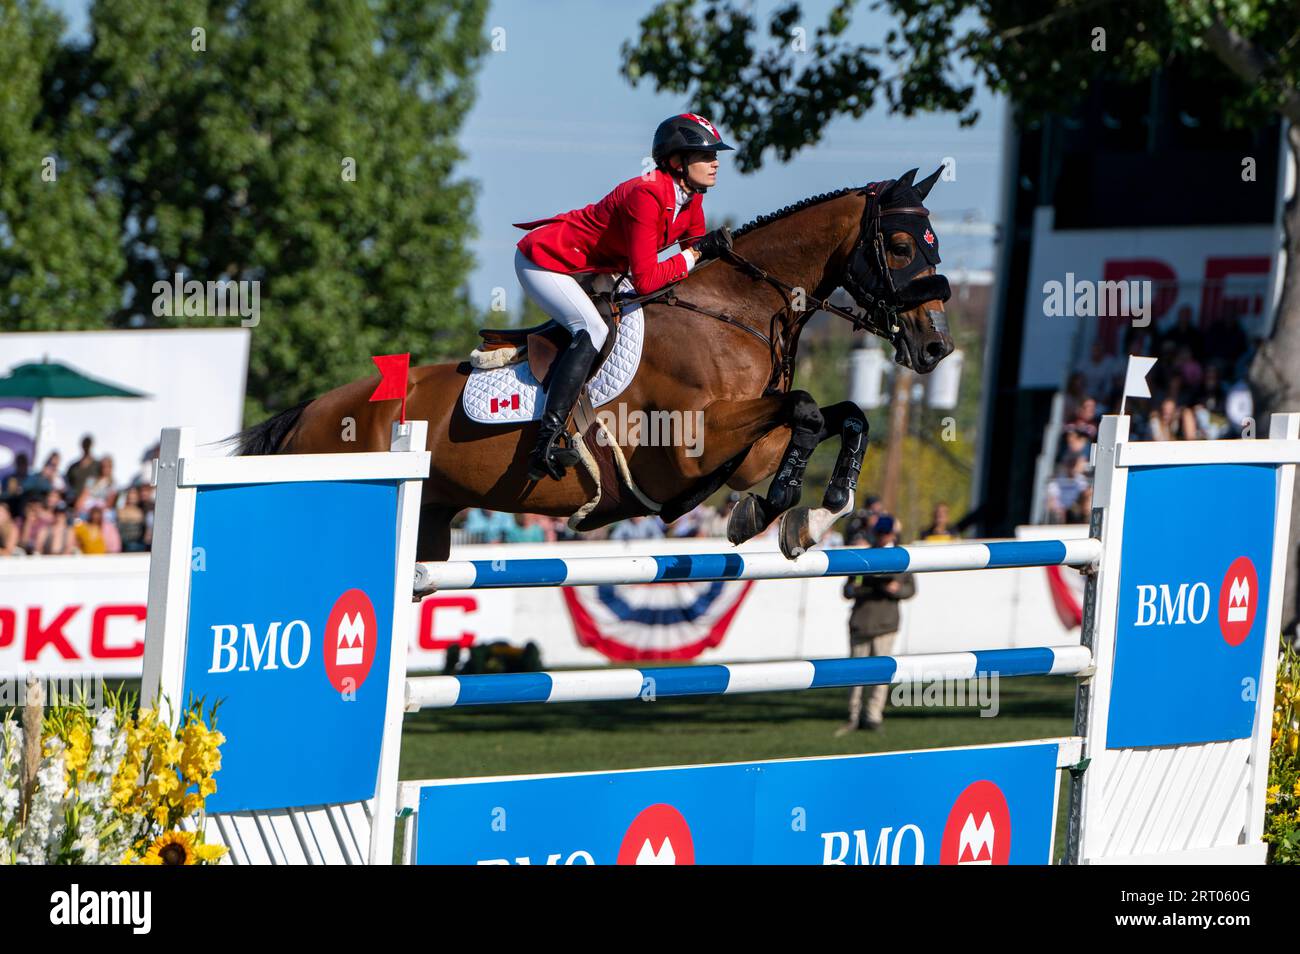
[(659, 835), (350, 636), (1238, 600), (978, 831), (1161, 605), (246, 648), (351, 632), (1165, 604)]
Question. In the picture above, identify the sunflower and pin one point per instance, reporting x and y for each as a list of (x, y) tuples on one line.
[(172, 848)]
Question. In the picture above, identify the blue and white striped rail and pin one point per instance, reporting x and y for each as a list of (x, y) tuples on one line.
[(597, 685), (738, 565)]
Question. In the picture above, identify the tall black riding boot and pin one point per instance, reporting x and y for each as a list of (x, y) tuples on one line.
[(554, 452)]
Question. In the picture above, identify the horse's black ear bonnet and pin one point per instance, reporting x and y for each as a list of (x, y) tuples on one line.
[(892, 206)]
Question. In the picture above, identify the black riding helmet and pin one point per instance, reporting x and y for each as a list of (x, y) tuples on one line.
[(685, 133)]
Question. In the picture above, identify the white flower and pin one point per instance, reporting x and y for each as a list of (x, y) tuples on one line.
[(101, 738)]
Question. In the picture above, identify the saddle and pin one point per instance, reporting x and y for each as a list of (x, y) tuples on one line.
[(540, 344)]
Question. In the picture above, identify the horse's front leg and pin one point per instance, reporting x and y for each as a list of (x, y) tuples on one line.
[(753, 513), (802, 527)]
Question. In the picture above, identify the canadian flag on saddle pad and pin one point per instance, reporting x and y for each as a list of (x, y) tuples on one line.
[(654, 621)]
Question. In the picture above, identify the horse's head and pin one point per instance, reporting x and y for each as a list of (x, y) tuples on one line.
[(892, 272)]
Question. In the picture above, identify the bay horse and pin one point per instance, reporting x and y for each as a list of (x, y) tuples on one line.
[(721, 342)]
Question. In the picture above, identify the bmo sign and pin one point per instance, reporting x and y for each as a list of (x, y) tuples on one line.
[(290, 625), (1157, 606), (1191, 603), (348, 648), (1187, 612)]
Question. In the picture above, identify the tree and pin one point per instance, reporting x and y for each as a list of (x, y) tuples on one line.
[(305, 146), (60, 263), (778, 94)]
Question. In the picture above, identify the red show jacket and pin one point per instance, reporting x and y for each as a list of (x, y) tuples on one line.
[(623, 232)]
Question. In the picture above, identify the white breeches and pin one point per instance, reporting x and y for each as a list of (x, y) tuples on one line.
[(561, 297)]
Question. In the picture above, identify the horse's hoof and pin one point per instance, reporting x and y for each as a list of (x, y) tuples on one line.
[(746, 521), (796, 533), (422, 585)]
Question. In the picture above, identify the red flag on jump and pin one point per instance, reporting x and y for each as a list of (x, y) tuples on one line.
[(393, 369)]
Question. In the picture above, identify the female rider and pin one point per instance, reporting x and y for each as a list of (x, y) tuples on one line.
[(622, 233)]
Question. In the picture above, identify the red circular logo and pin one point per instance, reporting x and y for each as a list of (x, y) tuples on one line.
[(659, 835), (351, 634), (1238, 599), (979, 828)]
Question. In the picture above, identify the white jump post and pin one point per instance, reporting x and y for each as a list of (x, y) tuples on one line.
[(1194, 793), (276, 586)]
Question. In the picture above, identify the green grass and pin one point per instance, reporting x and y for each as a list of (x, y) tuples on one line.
[(580, 737)]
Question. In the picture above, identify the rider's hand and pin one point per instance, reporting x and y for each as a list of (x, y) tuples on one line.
[(714, 243)]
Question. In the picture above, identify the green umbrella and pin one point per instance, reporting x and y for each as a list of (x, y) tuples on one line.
[(49, 379)]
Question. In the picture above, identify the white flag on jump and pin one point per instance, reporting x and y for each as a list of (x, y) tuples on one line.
[(1135, 381)]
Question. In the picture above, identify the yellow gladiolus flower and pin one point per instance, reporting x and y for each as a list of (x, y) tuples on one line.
[(78, 751), (169, 751), (163, 781)]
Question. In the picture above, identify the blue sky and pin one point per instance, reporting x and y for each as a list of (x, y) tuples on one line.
[(555, 126)]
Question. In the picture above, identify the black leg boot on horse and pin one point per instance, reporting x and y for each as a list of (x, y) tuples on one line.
[(554, 452), (753, 513), (802, 527)]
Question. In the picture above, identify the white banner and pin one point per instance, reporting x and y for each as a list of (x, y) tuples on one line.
[(1215, 271), (189, 376)]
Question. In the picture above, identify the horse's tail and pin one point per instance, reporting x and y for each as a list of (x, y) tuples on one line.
[(269, 436)]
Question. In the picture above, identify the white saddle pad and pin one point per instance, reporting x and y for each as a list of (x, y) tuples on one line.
[(511, 394)]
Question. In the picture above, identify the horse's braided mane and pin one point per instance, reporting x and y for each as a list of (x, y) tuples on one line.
[(771, 217)]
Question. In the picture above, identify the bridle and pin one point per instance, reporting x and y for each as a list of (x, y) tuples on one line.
[(881, 311)]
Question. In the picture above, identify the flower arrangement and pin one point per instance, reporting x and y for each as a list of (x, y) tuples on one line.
[(106, 786), (1282, 819)]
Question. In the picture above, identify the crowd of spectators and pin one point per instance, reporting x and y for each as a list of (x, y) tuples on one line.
[(706, 520), (85, 508), (1198, 392), (486, 526)]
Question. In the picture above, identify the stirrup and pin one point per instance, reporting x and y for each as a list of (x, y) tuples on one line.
[(555, 458)]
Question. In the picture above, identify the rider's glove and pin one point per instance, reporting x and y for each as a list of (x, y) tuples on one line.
[(714, 243)]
